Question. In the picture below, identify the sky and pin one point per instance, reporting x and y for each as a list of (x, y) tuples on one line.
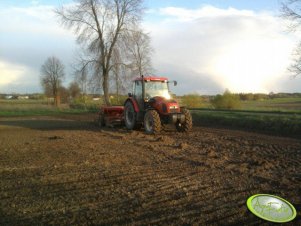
[(207, 46)]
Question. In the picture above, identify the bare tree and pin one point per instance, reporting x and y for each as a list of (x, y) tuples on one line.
[(117, 71), (64, 94), (98, 25), (295, 67), (291, 10), (74, 90), (52, 74), (131, 58), (81, 77), (138, 51)]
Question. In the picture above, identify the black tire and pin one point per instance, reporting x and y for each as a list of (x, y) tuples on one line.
[(152, 122), (101, 121), (130, 116), (186, 126)]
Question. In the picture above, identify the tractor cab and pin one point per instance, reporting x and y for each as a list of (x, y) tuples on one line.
[(146, 90), (152, 87)]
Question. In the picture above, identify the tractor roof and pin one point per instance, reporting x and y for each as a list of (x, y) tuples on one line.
[(152, 78)]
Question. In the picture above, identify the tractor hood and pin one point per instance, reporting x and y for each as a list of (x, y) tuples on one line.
[(164, 106)]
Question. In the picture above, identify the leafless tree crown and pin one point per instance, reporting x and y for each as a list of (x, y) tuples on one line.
[(98, 25), (52, 74), (291, 11), (138, 51)]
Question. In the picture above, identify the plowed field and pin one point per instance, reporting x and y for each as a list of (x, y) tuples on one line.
[(66, 171)]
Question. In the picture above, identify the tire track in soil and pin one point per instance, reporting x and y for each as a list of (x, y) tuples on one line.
[(115, 176)]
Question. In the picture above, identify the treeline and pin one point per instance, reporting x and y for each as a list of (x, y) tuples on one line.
[(262, 96), (229, 100), (66, 94), (75, 98)]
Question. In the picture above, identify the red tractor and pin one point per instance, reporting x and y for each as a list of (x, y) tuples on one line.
[(149, 105)]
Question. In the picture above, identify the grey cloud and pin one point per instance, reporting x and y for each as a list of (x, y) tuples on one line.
[(188, 80), (287, 84)]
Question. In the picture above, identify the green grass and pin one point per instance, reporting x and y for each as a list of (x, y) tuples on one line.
[(280, 116), (269, 122), (277, 104), (37, 112), (10, 108)]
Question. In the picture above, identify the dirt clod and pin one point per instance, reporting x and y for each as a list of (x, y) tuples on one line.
[(183, 146), (55, 137)]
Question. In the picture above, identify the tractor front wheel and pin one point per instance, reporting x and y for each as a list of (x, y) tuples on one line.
[(186, 126), (152, 122)]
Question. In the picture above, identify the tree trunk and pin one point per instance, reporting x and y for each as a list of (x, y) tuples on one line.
[(55, 96), (57, 100), (105, 85), (117, 82)]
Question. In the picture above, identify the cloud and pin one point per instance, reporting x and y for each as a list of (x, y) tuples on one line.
[(182, 14), (35, 2), (17, 78), (212, 49), (207, 49), (29, 35), (35, 19), (10, 73), (285, 83)]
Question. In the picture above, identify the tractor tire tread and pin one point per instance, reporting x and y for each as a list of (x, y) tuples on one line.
[(157, 127), (187, 125)]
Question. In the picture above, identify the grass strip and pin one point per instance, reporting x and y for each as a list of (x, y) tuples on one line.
[(272, 123), (42, 112)]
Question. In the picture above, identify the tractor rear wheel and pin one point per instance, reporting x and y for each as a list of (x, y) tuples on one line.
[(186, 126), (130, 116), (152, 122)]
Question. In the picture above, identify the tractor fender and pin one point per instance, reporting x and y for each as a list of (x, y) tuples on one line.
[(134, 102)]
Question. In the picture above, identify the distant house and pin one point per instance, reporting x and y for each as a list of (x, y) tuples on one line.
[(9, 97), (23, 97)]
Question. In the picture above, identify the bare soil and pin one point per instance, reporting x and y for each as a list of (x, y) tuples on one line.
[(64, 170)]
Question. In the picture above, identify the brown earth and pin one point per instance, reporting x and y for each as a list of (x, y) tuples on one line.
[(64, 171)]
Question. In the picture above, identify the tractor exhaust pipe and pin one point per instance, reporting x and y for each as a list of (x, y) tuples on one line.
[(143, 90)]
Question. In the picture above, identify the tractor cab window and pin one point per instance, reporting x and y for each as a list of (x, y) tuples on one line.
[(138, 89), (156, 88)]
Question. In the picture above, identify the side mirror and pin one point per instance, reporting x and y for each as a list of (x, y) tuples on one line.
[(130, 94), (175, 83)]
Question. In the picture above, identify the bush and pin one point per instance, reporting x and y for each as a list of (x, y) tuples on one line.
[(118, 100), (192, 101), (85, 103), (226, 101), (246, 96)]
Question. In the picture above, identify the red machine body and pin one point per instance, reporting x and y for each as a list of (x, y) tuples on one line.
[(110, 116), (149, 105), (165, 107)]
